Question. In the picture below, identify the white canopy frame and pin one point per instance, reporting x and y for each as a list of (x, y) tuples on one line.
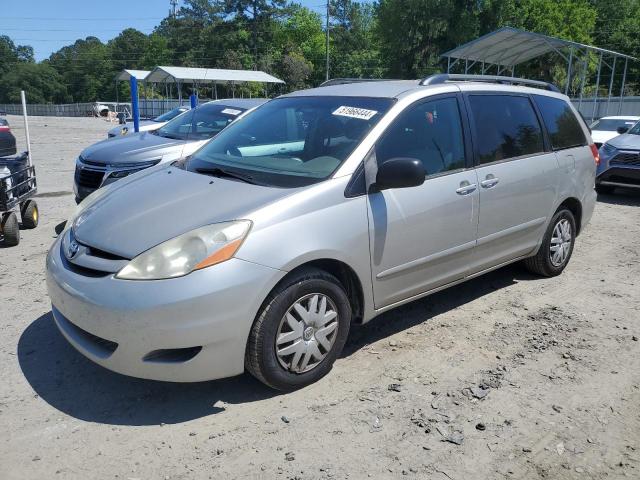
[(508, 47)]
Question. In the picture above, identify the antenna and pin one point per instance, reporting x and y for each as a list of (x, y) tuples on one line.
[(174, 8)]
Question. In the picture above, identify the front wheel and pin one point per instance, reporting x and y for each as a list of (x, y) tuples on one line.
[(300, 331), (10, 229), (30, 214), (557, 246)]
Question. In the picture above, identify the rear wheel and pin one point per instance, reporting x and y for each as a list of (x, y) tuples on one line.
[(300, 331), (557, 246), (30, 214), (10, 229), (604, 189)]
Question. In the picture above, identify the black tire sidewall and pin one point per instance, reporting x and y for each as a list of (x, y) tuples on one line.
[(10, 229), (546, 245), (26, 212), (272, 371)]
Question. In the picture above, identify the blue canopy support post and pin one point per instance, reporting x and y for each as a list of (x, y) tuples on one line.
[(194, 100), (134, 104), (624, 79)]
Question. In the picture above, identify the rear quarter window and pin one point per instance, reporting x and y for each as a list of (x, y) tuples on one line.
[(562, 125)]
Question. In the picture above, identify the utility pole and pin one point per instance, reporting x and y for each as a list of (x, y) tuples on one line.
[(327, 43), (174, 8)]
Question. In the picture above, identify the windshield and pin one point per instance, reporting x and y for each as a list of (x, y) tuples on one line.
[(200, 123), (292, 141), (171, 114), (635, 130), (611, 125)]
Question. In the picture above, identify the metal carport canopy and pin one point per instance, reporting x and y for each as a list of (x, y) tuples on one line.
[(208, 75), (125, 75), (510, 46)]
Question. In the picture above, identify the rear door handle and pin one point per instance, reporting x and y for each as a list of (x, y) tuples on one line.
[(466, 188), (489, 181)]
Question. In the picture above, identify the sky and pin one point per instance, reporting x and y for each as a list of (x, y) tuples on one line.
[(48, 25)]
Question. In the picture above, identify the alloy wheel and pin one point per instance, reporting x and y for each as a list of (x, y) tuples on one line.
[(561, 240)]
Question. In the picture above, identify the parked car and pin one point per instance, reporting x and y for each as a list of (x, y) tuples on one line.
[(7, 140), (146, 125), (319, 210), (607, 128), (620, 162), (110, 160)]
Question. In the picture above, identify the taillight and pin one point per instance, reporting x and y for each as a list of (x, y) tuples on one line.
[(595, 153), (4, 128)]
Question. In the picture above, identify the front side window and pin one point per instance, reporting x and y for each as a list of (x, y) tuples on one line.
[(292, 141), (506, 126), (430, 132), (563, 126), (635, 130), (170, 115), (199, 123)]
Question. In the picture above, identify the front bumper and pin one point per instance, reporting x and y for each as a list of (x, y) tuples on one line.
[(619, 169), (117, 323)]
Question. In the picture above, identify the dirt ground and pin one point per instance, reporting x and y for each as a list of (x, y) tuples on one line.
[(506, 376)]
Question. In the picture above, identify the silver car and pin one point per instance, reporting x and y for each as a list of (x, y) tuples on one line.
[(146, 125), (319, 210), (620, 162), (113, 159)]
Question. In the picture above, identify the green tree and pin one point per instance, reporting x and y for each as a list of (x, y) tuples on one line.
[(41, 83)]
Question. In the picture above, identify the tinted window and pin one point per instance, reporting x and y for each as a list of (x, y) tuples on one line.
[(430, 132), (562, 124), (293, 141), (506, 127)]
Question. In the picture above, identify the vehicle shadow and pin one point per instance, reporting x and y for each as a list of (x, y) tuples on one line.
[(621, 196), (76, 386), (71, 383), (423, 310)]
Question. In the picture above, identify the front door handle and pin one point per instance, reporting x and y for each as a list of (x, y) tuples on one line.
[(466, 188), (489, 181)]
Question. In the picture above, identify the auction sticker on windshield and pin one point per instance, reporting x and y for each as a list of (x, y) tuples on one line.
[(355, 112), (231, 111)]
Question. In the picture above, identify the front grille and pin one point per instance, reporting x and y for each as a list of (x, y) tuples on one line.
[(88, 178), (626, 158)]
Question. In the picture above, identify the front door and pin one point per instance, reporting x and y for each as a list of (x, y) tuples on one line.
[(423, 237)]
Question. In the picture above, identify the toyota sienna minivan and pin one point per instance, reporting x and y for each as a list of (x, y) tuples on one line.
[(319, 210)]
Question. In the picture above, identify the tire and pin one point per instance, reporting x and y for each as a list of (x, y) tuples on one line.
[(604, 189), (544, 262), (29, 214), (10, 229), (283, 372)]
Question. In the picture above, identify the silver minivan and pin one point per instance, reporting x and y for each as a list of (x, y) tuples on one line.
[(318, 210)]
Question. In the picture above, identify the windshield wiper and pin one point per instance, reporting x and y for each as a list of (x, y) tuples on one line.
[(220, 172)]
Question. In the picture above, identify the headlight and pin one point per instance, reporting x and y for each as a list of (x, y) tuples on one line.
[(199, 248)]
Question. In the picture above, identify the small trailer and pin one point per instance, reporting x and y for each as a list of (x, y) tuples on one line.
[(17, 187)]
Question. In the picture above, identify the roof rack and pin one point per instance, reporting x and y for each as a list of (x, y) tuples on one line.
[(342, 81), (453, 77)]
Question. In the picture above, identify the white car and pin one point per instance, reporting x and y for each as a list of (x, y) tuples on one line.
[(607, 128)]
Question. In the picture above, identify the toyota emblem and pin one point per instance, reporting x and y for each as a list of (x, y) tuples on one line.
[(72, 249)]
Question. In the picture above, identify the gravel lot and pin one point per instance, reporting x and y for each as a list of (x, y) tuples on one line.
[(506, 376)]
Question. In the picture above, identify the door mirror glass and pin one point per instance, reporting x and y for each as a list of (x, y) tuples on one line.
[(622, 130), (401, 172)]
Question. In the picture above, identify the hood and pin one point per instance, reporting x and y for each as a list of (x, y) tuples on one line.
[(144, 126), (131, 148), (626, 141), (159, 204), (601, 136)]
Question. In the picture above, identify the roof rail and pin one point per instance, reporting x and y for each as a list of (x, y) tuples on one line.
[(454, 77), (342, 81)]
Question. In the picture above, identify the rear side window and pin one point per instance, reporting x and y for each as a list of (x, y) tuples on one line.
[(506, 127), (563, 126)]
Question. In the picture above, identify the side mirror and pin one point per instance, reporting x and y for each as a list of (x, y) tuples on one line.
[(622, 130), (400, 172)]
